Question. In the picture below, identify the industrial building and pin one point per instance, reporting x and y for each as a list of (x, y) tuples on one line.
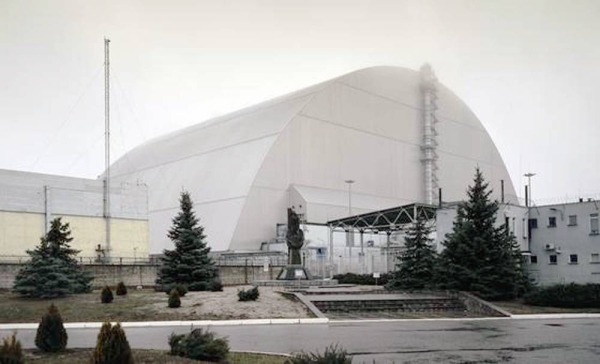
[(399, 135), (29, 201), (379, 141)]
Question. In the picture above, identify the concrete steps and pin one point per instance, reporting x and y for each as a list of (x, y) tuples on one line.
[(381, 303)]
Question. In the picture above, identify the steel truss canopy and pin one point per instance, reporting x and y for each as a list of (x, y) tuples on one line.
[(389, 220)]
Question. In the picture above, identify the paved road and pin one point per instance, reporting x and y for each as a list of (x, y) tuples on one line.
[(503, 341)]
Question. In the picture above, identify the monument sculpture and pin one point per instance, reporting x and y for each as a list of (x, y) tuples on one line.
[(294, 237)]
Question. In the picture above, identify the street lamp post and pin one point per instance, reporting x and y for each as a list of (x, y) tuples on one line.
[(529, 175), (350, 233), (349, 182)]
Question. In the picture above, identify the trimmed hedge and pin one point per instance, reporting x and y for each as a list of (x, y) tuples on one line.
[(180, 287), (565, 295), (248, 295), (199, 345), (363, 279)]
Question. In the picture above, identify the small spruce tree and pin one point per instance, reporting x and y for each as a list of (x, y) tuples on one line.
[(11, 351), (51, 335), (103, 336), (121, 289), (418, 262), (52, 270), (106, 296), (174, 300), (188, 263), (112, 346), (480, 256)]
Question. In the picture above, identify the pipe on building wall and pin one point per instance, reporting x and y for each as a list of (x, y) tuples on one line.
[(47, 208)]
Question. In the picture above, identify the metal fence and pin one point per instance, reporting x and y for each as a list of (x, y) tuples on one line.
[(344, 261)]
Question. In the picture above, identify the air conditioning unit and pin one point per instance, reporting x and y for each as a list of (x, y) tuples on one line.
[(558, 250), (549, 246)]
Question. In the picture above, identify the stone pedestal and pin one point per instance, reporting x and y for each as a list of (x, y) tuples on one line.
[(294, 273)]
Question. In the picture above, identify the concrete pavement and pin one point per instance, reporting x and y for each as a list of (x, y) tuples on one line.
[(549, 340)]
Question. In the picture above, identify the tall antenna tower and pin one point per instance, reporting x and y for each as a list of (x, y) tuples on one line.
[(107, 144)]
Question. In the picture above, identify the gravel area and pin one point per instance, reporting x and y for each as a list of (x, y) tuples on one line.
[(225, 305)]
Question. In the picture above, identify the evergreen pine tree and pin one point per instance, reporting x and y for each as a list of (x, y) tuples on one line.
[(188, 263), (52, 270), (418, 262), (479, 256)]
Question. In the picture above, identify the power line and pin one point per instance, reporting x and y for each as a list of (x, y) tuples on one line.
[(65, 120)]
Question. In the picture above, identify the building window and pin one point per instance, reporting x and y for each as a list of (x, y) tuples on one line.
[(572, 220), (533, 223), (533, 259), (595, 258), (552, 221), (553, 259), (594, 224), (573, 259)]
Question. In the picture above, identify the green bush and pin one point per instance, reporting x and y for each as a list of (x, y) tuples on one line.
[(174, 300), (11, 351), (565, 295), (51, 335), (332, 355), (363, 279), (199, 286), (121, 289), (199, 345), (106, 295), (216, 286), (112, 346), (248, 295), (181, 288)]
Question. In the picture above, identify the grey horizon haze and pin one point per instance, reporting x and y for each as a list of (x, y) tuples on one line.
[(528, 70)]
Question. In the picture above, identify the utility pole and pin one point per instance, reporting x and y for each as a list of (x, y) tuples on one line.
[(107, 143)]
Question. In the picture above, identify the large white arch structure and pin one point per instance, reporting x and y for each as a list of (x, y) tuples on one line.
[(245, 169)]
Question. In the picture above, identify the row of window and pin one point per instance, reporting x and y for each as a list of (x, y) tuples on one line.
[(573, 258), (594, 225)]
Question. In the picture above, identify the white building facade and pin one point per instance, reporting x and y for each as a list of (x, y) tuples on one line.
[(565, 243), (560, 243)]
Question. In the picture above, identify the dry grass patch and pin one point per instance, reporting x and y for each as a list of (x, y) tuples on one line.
[(147, 305)]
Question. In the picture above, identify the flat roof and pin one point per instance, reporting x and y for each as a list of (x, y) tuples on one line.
[(387, 220)]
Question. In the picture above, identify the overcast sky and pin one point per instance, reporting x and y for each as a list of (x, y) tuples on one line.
[(529, 70)]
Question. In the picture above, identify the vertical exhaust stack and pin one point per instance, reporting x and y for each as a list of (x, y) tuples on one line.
[(502, 191), (440, 198), (429, 96), (526, 197)]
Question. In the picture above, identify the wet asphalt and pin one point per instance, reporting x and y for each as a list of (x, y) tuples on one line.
[(465, 341)]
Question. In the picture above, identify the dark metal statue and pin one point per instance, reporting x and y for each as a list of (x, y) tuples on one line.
[(295, 237)]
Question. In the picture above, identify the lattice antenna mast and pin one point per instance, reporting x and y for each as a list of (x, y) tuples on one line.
[(429, 97), (107, 142)]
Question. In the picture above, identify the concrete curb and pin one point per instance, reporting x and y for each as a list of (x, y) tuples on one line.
[(88, 325), (556, 316), (511, 317), (296, 321)]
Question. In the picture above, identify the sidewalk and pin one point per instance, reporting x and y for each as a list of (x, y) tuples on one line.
[(298, 321)]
